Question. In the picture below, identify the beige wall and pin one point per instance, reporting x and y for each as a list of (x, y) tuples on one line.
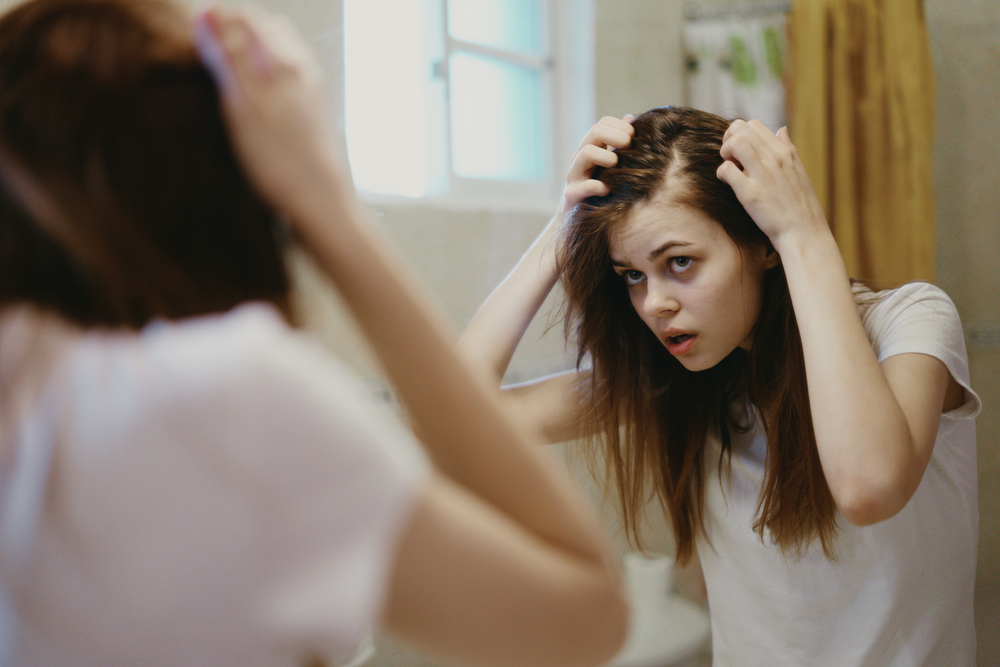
[(638, 64), (462, 255), (965, 39)]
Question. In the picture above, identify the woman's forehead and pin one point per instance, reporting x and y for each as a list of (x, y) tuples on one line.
[(660, 221)]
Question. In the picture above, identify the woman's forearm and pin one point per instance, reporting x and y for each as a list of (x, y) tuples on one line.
[(492, 336), (458, 417), (862, 434), (873, 446), (495, 331)]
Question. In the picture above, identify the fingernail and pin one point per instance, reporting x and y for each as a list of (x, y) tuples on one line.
[(209, 48)]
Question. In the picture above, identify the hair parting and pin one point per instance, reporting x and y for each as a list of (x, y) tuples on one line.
[(652, 415)]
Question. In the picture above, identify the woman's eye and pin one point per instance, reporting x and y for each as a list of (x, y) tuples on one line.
[(681, 264), (633, 277)]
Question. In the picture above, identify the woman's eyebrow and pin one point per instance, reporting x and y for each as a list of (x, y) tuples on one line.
[(655, 253), (665, 247)]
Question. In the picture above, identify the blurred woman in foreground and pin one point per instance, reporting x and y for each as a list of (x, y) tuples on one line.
[(187, 479)]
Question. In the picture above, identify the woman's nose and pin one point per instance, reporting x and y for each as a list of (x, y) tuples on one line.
[(660, 299)]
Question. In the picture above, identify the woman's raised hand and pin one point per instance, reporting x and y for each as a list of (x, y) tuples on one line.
[(766, 173), (272, 94), (596, 150)]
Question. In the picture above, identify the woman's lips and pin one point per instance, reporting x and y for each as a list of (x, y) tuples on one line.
[(680, 344)]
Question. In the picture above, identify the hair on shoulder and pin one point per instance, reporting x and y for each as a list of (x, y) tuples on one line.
[(652, 415)]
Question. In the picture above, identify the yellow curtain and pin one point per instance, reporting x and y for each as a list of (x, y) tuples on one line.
[(861, 111)]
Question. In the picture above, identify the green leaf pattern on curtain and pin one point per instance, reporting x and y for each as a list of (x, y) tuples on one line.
[(735, 65)]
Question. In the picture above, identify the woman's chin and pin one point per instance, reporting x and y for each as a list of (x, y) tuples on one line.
[(695, 364), (698, 362)]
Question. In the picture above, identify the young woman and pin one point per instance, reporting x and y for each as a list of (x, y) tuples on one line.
[(185, 479), (813, 439)]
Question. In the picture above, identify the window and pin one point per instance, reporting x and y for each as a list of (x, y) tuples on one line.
[(457, 99)]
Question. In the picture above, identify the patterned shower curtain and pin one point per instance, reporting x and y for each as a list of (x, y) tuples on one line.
[(854, 81), (735, 65)]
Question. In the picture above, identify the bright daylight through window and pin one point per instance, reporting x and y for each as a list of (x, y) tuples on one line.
[(443, 96)]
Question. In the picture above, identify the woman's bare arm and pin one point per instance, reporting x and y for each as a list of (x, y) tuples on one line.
[(875, 424), (474, 586), (549, 406), (271, 93)]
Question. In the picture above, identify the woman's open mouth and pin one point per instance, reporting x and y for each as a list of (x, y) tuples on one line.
[(680, 343)]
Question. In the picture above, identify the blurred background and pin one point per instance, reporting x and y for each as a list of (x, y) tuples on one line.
[(460, 118)]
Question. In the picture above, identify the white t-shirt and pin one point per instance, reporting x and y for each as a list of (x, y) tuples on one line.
[(219, 493), (900, 593)]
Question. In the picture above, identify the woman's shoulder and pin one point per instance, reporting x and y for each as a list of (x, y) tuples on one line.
[(917, 290), (913, 301), (249, 330), (201, 365), (240, 345), (917, 317), (250, 352), (244, 380)]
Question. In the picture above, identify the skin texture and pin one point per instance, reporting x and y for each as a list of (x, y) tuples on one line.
[(686, 276)]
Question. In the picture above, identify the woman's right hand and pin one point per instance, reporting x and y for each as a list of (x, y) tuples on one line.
[(482, 566), (551, 406), (596, 150), (274, 102)]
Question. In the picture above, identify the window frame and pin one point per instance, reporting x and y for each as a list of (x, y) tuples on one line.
[(568, 98)]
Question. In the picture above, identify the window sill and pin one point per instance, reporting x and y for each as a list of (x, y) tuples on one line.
[(514, 202)]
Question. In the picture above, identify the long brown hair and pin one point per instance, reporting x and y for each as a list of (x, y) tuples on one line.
[(652, 415), (107, 112)]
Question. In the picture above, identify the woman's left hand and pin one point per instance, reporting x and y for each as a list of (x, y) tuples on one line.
[(766, 173), (875, 424)]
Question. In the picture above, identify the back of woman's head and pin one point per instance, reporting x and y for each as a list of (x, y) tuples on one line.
[(122, 200)]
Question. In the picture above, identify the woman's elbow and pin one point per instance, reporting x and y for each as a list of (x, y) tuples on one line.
[(604, 626), (863, 512), (870, 503), (616, 622), (879, 487)]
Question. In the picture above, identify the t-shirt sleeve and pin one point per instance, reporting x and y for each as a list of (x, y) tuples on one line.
[(920, 318), (331, 473)]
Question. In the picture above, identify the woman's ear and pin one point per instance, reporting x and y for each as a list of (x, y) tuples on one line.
[(771, 258)]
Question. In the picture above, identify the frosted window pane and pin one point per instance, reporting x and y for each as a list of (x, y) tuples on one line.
[(384, 82), (511, 25), (495, 119)]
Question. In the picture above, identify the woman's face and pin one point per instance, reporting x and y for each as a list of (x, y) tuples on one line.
[(689, 282)]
